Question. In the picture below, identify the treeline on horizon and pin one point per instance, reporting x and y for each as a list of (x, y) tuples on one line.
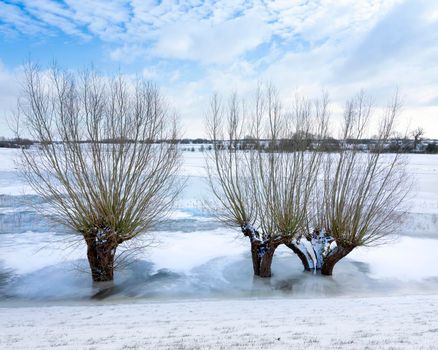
[(395, 145)]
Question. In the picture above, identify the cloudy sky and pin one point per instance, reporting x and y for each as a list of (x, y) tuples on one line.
[(192, 48)]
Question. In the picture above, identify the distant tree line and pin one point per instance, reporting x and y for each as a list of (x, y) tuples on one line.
[(15, 143), (311, 142)]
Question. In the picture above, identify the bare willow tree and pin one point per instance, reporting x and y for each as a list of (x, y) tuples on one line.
[(359, 199), (417, 134), (105, 158), (263, 169), (228, 175)]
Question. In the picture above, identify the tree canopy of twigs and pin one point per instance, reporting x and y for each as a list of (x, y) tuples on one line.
[(263, 183), (279, 186), (105, 160), (359, 201)]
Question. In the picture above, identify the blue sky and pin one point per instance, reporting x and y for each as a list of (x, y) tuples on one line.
[(192, 48)]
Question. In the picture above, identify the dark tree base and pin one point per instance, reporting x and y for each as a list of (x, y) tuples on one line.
[(101, 250), (333, 258), (266, 263), (256, 260), (262, 251), (262, 264)]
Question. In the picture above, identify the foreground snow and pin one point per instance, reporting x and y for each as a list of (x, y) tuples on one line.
[(407, 322)]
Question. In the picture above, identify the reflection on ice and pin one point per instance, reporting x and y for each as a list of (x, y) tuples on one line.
[(220, 277)]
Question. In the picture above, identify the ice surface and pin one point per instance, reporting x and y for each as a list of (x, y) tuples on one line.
[(195, 256)]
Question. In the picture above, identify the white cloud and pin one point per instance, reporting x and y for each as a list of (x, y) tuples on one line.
[(204, 42), (341, 46), (9, 91), (214, 31), (15, 19)]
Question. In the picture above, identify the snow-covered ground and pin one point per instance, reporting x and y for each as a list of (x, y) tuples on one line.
[(45, 288), (360, 323)]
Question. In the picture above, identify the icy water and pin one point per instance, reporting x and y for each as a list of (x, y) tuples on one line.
[(194, 256)]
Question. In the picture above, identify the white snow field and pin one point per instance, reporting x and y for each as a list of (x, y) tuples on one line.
[(194, 289), (361, 323)]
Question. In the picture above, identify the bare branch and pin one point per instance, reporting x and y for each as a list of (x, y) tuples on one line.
[(106, 157)]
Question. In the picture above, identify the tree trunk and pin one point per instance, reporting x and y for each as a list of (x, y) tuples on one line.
[(265, 264), (254, 238), (101, 250), (266, 261), (256, 260), (333, 257), (262, 251), (307, 264)]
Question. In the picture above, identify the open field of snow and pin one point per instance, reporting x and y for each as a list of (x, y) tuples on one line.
[(408, 322), (193, 288)]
